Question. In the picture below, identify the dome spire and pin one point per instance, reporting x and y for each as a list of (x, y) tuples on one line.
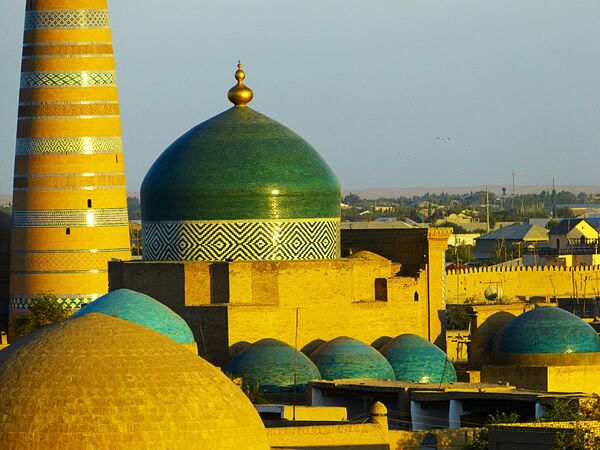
[(240, 94)]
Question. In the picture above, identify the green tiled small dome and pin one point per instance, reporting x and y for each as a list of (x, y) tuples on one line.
[(546, 330), (416, 360), (347, 358), (270, 365), (143, 310)]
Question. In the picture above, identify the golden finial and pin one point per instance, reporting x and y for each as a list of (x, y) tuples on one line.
[(240, 94)]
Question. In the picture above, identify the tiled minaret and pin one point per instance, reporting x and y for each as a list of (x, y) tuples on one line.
[(69, 200)]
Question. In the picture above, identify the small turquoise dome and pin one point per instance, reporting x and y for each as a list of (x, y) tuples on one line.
[(546, 330), (347, 358), (270, 365), (416, 360), (143, 310)]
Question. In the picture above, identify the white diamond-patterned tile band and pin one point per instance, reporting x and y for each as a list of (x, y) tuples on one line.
[(81, 145), (108, 217), (274, 240), (66, 19)]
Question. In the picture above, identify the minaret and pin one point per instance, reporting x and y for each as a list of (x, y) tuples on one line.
[(69, 198)]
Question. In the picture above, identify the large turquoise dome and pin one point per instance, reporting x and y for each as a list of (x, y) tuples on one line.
[(270, 364), (416, 360), (141, 309), (240, 186), (347, 358), (546, 330)]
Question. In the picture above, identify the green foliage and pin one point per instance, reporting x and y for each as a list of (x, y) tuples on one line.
[(478, 442), (563, 411), (457, 318), (577, 437), (45, 310), (463, 252), (253, 392), (502, 417), (456, 229), (480, 438)]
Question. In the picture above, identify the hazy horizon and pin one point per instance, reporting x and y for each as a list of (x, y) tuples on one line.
[(393, 95)]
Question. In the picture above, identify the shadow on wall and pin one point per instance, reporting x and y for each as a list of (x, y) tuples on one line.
[(312, 346), (482, 345), (380, 342)]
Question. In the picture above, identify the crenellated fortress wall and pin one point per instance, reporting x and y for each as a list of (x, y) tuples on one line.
[(523, 282)]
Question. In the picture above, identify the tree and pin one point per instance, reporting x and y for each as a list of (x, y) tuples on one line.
[(480, 438), (134, 208), (45, 310)]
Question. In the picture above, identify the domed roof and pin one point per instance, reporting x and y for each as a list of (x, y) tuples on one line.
[(346, 358), (96, 379), (240, 164), (546, 330), (141, 309), (416, 360), (270, 365)]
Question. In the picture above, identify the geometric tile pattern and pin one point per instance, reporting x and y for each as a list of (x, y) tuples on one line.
[(66, 19), (108, 217), (68, 79), (22, 262), (21, 303), (274, 240), (64, 181), (79, 145)]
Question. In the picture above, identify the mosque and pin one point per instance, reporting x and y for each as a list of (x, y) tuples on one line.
[(245, 263)]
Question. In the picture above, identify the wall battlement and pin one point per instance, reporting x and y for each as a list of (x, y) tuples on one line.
[(523, 282)]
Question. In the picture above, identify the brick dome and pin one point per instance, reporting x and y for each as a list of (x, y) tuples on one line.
[(348, 358), (271, 364), (100, 382), (416, 360), (546, 330)]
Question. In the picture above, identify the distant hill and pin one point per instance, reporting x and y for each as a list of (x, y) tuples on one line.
[(496, 189)]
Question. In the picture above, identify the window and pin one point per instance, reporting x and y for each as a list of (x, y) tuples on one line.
[(89, 202), (381, 293), (416, 296), (68, 231)]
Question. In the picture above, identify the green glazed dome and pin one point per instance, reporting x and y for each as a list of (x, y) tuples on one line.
[(240, 186), (546, 330), (240, 165), (141, 309), (270, 364), (416, 360), (347, 358)]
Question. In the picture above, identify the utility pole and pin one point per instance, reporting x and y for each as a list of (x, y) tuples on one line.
[(513, 183), (487, 208)]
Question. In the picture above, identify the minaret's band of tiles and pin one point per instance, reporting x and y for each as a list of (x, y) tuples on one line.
[(87, 181), (22, 303), (66, 19), (80, 145), (274, 240), (107, 217), (84, 78)]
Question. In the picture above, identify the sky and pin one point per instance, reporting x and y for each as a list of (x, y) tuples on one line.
[(392, 93)]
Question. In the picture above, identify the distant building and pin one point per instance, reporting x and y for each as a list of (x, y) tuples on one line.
[(573, 242), (521, 234)]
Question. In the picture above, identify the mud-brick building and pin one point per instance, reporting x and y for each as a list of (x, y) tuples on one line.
[(242, 238)]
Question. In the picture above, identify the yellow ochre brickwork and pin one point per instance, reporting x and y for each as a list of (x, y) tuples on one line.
[(105, 383), (69, 199), (227, 304), (523, 282)]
